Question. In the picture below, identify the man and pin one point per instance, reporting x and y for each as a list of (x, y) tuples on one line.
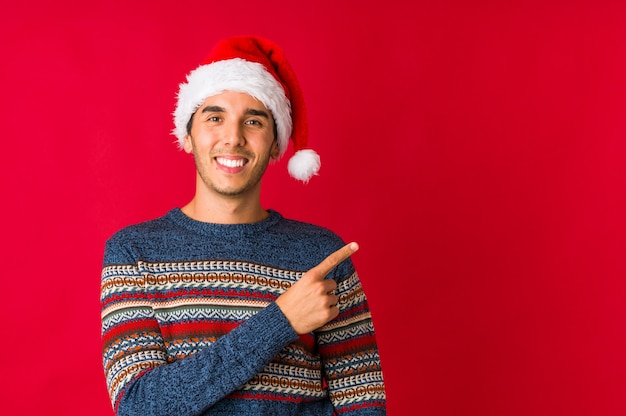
[(221, 306)]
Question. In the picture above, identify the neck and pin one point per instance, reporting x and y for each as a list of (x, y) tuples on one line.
[(225, 210), (233, 214)]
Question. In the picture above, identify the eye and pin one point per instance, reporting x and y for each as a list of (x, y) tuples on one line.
[(214, 119), (254, 122)]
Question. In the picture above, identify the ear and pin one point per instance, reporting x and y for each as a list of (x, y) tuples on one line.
[(187, 145), (275, 150)]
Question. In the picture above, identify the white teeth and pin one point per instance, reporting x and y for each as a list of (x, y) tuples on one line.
[(237, 163)]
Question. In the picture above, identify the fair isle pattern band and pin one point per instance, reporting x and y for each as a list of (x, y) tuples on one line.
[(156, 313)]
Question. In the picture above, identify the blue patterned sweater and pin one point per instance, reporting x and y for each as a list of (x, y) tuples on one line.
[(190, 326)]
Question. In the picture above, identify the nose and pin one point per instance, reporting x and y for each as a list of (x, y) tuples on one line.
[(233, 134)]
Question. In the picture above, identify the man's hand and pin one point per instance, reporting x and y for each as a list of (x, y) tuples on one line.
[(310, 302)]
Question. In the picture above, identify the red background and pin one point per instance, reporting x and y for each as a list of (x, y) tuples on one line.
[(476, 152)]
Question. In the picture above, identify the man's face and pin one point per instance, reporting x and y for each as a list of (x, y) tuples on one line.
[(232, 140)]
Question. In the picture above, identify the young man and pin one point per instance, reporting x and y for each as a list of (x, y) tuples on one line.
[(221, 306)]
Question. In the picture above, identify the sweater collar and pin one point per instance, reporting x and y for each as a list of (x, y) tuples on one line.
[(212, 229)]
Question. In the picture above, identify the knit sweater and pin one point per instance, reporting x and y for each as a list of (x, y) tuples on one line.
[(190, 325)]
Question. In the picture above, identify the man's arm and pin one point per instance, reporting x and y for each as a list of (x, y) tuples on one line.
[(349, 353), (141, 381)]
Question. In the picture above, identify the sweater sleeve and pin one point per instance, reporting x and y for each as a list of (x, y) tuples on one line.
[(349, 354), (139, 378)]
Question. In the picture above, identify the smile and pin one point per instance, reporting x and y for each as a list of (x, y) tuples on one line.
[(231, 163)]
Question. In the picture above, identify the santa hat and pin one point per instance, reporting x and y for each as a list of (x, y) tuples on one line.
[(257, 67)]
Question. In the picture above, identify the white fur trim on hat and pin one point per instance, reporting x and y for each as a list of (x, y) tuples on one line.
[(304, 164), (237, 75)]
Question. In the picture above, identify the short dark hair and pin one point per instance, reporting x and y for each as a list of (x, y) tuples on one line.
[(189, 123)]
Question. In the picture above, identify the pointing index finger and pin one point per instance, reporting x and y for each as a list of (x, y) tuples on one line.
[(335, 258)]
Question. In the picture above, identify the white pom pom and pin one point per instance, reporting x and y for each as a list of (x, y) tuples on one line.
[(304, 164)]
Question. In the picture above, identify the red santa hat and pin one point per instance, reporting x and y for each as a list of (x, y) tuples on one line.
[(257, 67)]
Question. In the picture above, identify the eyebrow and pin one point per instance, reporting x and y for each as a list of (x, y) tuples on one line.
[(249, 111), (254, 112), (212, 109)]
